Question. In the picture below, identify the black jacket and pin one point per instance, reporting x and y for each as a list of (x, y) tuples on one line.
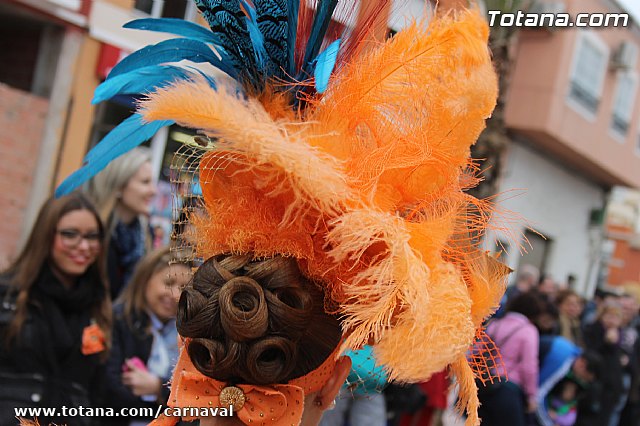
[(128, 341), (609, 379), (44, 366)]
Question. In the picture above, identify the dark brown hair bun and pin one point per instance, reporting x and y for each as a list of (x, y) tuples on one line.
[(255, 321), (243, 309)]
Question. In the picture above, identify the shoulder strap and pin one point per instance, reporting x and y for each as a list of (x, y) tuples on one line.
[(506, 338)]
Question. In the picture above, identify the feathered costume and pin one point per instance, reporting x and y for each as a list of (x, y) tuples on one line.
[(351, 157)]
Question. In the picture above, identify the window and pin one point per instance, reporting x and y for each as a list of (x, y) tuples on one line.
[(538, 250), (168, 9), (624, 99), (588, 71)]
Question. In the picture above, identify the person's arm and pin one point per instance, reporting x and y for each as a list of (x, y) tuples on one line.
[(118, 395)]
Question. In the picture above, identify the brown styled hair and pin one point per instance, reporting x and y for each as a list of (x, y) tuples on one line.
[(24, 271), (255, 321), (133, 296)]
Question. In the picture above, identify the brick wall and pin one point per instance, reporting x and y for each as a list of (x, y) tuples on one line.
[(625, 263), (22, 119)]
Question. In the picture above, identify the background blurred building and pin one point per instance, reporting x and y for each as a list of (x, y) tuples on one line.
[(54, 54), (622, 233), (572, 113)]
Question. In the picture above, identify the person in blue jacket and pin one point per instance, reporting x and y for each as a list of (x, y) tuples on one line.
[(561, 360)]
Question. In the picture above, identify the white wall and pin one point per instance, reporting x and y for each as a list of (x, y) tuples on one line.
[(554, 201)]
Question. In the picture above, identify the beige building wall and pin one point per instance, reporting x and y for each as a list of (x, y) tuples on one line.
[(79, 122)]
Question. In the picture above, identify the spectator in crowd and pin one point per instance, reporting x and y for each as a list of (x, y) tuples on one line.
[(590, 311), (123, 193), (548, 287), (548, 322), (145, 339), (566, 369), (570, 310), (604, 337), (361, 401), (517, 338), (527, 278), (55, 317), (628, 340)]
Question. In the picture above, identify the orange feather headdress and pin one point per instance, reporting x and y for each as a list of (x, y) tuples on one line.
[(363, 182), (365, 189)]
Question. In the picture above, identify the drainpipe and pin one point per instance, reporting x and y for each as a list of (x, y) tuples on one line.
[(597, 243)]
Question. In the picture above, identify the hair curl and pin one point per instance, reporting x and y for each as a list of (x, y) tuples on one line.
[(255, 321)]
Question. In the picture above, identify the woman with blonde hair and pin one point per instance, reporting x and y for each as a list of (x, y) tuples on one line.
[(55, 317), (145, 340), (123, 193)]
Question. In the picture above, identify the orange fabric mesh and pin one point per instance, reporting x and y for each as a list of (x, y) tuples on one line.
[(366, 189), (485, 359)]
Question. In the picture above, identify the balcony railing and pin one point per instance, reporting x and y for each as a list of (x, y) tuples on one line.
[(620, 125), (583, 97)]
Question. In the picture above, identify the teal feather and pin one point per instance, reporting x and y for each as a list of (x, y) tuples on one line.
[(325, 64), (127, 135), (293, 8), (273, 24), (173, 50), (257, 39), (175, 26), (142, 80)]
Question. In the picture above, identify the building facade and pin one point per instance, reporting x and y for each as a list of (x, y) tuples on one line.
[(572, 110), (57, 52)]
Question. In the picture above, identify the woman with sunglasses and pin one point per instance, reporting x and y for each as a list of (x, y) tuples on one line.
[(55, 317)]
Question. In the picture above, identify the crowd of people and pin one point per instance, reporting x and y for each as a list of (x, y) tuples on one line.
[(68, 337), (602, 333)]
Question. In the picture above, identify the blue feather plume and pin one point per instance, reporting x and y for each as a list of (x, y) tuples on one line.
[(212, 82), (172, 50), (257, 39), (227, 23), (273, 24), (293, 7), (126, 136), (145, 79), (175, 26), (325, 63)]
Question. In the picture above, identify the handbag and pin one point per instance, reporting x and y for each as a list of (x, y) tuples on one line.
[(19, 391)]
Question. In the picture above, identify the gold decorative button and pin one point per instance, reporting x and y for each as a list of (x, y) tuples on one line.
[(232, 396)]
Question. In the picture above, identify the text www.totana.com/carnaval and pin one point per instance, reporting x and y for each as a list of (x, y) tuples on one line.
[(31, 412)]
